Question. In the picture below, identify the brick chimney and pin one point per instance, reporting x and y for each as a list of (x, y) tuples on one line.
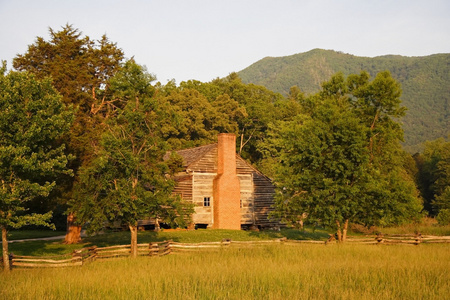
[(227, 194)]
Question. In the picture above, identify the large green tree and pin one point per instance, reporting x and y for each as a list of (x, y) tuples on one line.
[(250, 108), (196, 121), (32, 121), (127, 180), (80, 68), (434, 175), (341, 161)]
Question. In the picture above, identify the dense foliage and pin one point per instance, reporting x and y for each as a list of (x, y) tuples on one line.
[(434, 178), (425, 83), (126, 180), (32, 121), (79, 68), (340, 160), (335, 154)]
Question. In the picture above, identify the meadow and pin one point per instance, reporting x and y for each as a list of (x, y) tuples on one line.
[(273, 271), (279, 271), (42, 248)]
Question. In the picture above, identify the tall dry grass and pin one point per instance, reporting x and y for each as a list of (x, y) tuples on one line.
[(263, 272)]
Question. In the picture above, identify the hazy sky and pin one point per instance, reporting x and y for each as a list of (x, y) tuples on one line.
[(205, 39)]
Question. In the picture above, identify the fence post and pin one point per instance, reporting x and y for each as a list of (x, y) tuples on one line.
[(153, 249), (168, 247), (92, 252), (418, 238), (331, 239), (76, 254), (226, 242), (379, 238), (11, 257)]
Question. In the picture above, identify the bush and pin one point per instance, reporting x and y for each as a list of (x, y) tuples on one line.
[(443, 217)]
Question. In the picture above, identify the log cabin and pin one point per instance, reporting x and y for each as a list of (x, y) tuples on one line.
[(227, 192)]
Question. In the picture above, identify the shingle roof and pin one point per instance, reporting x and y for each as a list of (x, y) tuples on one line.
[(191, 155)]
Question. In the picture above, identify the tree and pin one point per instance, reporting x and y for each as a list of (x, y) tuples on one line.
[(434, 175), (80, 69), (250, 106), (76, 64), (324, 165), (340, 160), (198, 121), (127, 181), (32, 120)]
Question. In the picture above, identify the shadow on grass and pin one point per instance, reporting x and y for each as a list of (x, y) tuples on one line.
[(42, 248), (308, 233), (19, 234), (121, 238)]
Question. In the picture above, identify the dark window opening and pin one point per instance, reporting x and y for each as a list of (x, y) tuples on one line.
[(206, 201)]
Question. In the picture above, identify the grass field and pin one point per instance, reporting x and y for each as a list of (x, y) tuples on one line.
[(261, 272), (32, 234), (427, 226), (39, 248)]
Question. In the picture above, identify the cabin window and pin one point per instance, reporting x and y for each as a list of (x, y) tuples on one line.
[(206, 201)]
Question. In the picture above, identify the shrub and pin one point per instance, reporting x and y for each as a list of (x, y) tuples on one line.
[(443, 217)]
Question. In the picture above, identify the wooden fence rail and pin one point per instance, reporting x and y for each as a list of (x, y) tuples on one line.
[(85, 255), (391, 239)]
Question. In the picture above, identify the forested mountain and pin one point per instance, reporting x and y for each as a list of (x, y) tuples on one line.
[(425, 83)]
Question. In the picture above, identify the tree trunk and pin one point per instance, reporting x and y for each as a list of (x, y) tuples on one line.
[(344, 231), (73, 234), (133, 250), (6, 266), (157, 227), (339, 233)]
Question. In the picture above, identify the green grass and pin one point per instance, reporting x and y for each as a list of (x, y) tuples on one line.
[(32, 234), (264, 272), (427, 226), (39, 248)]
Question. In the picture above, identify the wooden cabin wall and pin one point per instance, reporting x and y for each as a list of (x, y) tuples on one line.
[(247, 199), (264, 193), (183, 187), (203, 187), (257, 191)]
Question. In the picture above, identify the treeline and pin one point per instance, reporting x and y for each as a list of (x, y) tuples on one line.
[(425, 83), (84, 132)]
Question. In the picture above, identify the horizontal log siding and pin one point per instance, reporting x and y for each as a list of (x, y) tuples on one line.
[(246, 184), (256, 195), (202, 187), (184, 187), (264, 193)]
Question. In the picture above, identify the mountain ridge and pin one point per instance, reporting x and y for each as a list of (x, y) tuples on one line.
[(425, 83)]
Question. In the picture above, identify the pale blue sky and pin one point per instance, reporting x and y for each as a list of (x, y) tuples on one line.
[(205, 39)]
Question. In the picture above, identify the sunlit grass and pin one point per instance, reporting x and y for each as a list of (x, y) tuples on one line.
[(193, 236), (427, 226), (264, 272)]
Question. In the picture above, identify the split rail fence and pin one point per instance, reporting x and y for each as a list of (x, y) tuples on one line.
[(89, 254)]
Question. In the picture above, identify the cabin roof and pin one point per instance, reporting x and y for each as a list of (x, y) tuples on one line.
[(192, 155)]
